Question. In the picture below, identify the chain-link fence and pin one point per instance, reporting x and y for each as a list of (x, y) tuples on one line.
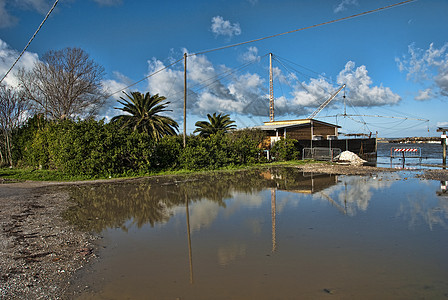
[(326, 154)]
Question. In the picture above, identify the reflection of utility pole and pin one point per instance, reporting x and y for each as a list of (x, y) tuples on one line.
[(190, 256), (345, 198), (273, 212)]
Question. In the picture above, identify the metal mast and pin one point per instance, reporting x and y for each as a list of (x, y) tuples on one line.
[(322, 106), (185, 100), (271, 91)]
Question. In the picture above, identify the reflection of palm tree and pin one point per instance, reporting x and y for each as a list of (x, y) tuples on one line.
[(143, 115), (149, 201), (216, 123)]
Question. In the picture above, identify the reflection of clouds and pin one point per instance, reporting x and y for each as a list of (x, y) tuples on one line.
[(420, 206), (245, 199), (202, 214), (230, 253), (354, 193), (255, 225), (240, 200), (290, 200)]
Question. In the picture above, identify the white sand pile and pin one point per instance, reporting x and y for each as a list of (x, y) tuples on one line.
[(349, 157)]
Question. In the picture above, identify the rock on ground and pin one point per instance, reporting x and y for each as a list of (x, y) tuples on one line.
[(350, 157)]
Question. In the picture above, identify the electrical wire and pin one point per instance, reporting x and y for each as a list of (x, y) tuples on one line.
[(150, 75), (32, 38), (218, 77), (276, 35), (304, 28)]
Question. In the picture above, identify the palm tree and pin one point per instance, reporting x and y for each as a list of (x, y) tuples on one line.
[(143, 115), (215, 124)]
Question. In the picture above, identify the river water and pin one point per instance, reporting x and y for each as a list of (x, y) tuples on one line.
[(266, 234)]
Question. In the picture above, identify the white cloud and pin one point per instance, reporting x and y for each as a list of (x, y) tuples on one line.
[(428, 67), (442, 124), (361, 93), (6, 20), (224, 27), (111, 86), (7, 58), (247, 93), (207, 93), (343, 5), (251, 55), (424, 95), (41, 6)]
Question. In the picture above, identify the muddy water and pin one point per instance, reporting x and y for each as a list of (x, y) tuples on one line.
[(270, 234)]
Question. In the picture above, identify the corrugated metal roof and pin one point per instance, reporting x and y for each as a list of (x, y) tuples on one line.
[(291, 123), (275, 127)]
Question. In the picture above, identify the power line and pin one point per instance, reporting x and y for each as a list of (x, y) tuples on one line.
[(275, 35), (304, 28), (32, 38), (150, 75)]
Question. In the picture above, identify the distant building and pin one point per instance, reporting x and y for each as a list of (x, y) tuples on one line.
[(301, 129), (311, 133)]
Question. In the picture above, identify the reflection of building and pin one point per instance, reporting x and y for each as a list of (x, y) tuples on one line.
[(307, 183), (313, 183), (443, 189)]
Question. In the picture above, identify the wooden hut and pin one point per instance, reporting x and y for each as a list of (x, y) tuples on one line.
[(301, 129)]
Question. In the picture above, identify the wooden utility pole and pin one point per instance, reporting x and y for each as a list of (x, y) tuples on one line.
[(443, 130), (271, 90), (185, 100)]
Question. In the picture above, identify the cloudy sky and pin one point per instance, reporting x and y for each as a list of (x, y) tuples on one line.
[(394, 62)]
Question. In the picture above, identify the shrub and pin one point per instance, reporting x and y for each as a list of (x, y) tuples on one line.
[(285, 149)]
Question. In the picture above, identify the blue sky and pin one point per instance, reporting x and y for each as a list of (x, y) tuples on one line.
[(394, 62)]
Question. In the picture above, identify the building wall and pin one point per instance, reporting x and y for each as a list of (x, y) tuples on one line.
[(302, 133), (324, 130)]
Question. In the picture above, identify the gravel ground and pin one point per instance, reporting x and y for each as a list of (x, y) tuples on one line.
[(40, 251), (434, 174)]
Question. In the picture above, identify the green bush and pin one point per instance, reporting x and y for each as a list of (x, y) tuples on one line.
[(167, 152), (285, 149), (90, 148)]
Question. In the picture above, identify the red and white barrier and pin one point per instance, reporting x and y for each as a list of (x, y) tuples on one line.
[(406, 150)]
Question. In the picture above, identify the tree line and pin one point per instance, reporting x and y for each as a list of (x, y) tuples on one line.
[(49, 122)]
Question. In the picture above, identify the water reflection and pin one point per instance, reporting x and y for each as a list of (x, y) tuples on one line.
[(421, 208), (253, 234), (443, 189), (151, 201), (354, 193)]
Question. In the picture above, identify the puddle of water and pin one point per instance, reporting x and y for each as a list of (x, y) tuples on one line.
[(271, 234)]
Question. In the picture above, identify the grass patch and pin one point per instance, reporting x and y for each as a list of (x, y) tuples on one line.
[(54, 175), (38, 175)]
